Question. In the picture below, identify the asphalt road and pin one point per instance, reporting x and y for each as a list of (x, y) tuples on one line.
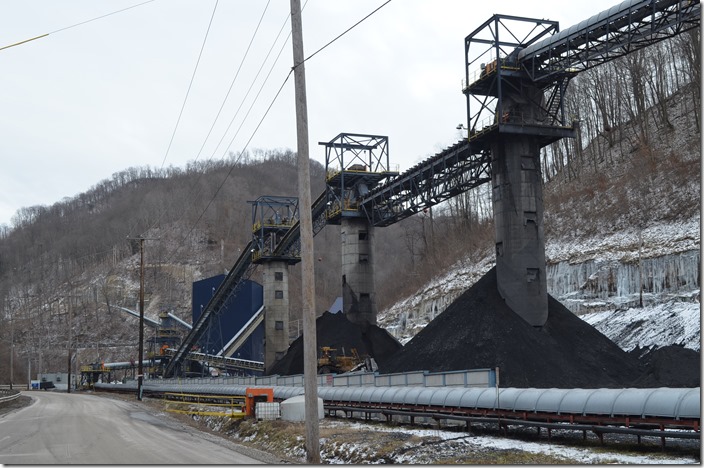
[(62, 428)]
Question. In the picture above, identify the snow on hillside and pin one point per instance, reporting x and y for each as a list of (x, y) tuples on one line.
[(667, 319), (660, 325), (658, 240)]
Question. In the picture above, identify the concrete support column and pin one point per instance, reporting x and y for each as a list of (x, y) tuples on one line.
[(518, 217), (276, 312), (358, 295)]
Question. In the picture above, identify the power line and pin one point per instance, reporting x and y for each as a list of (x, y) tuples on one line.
[(346, 31), (266, 113), (234, 164), (75, 25), (193, 189), (232, 83), (185, 99), (254, 80)]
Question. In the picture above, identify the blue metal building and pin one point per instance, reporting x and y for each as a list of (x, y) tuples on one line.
[(248, 300)]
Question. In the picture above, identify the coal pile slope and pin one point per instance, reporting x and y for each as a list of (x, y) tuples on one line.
[(674, 366), (479, 330), (336, 331)]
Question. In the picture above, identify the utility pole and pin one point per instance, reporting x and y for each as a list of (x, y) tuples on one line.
[(68, 367), (140, 357), (12, 348), (70, 331), (140, 371), (310, 368)]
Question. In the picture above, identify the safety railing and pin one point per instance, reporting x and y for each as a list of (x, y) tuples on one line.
[(273, 224), (467, 378), (205, 405), (336, 208), (488, 70), (8, 395)]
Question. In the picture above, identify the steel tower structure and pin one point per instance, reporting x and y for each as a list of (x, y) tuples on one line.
[(517, 71)]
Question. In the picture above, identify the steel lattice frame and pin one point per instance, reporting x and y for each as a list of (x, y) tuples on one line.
[(448, 173), (272, 218), (613, 33), (495, 42), (227, 290), (349, 149)]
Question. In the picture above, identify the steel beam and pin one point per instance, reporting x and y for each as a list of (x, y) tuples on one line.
[(613, 33)]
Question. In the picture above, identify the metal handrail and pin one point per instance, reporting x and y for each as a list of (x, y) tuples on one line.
[(8, 395)]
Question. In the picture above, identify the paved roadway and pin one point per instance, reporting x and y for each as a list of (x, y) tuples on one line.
[(78, 428)]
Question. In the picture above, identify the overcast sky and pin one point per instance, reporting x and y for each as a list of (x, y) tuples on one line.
[(94, 99)]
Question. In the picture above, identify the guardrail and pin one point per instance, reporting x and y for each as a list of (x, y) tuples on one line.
[(8, 395)]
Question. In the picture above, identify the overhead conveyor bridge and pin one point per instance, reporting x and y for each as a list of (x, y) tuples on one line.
[(613, 33), (461, 167), (219, 361)]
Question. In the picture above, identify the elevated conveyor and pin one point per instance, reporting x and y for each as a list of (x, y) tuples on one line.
[(242, 270), (290, 243), (461, 167), (221, 362), (238, 340), (511, 107), (613, 33), (228, 288)]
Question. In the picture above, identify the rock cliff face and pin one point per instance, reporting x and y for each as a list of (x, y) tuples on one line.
[(586, 276)]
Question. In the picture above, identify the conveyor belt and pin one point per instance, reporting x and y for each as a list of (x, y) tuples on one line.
[(240, 271)]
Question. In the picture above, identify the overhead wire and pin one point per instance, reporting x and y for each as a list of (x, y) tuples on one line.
[(75, 25), (281, 87), (232, 166), (182, 243), (193, 189), (190, 84), (232, 83), (254, 80), (344, 32), (183, 105)]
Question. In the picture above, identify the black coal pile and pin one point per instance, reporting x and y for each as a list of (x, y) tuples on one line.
[(479, 330), (674, 366), (335, 331)]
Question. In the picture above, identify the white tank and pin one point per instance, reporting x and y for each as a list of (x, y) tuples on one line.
[(294, 409)]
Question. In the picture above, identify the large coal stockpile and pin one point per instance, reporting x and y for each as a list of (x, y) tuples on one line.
[(673, 366), (479, 330), (335, 331)]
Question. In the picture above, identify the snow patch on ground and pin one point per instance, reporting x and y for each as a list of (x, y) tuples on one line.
[(456, 444)]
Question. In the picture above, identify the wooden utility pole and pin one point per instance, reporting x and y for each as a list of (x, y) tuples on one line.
[(68, 367), (140, 357), (12, 347), (310, 368), (140, 372)]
